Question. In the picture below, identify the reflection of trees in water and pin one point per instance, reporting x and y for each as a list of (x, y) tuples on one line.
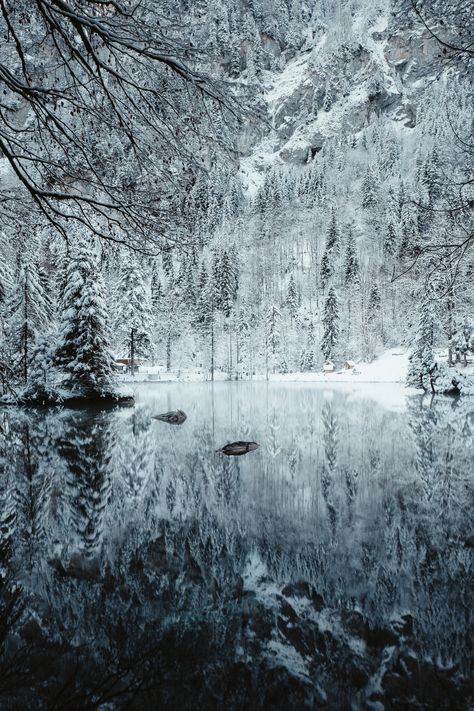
[(83, 446), (150, 588), (328, 472)]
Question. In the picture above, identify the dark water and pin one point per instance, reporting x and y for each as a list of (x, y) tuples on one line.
[(331, 568)]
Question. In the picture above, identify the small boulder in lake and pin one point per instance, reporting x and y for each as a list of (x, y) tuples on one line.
[(236, 449), (175, 417)]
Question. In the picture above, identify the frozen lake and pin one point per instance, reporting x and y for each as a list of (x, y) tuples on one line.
[(331, 568)]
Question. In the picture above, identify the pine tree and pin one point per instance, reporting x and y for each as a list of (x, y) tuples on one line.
[(204, 302), (273, 335), (331, 325), (409, 243), (167, 261), (351, 263), (6, 283), (328, 96), (243, 334), (326, 270), (374, 305), (156, 289), (332, 238), (390, 241), (28, 316), (234, 265), (292, 297), (308, 356), (133, 322), (41, 386), (225, 284), (369, 189), (83, 353), (421, 358)]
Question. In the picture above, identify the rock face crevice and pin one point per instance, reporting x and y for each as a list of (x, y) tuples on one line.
[(339, 90)]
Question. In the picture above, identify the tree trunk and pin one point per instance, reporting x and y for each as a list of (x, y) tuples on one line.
[(25, 331), (132, 352), (212, 349), (168, 352)]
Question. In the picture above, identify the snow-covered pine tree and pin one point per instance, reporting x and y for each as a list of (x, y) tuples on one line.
[(374, 305), (326, 270), (83, 356), (204, 301), (421, 357), (351, 263), (330, 325), (390, 241), (409, 242), (133, 318), (235, 269), (226, 285), (156, 289), (243, 337), (41, 386), (167, 261), (292, 298), (6, 283), (374, 321), (332, 236), (28, 316), (273, 336), (308, 360), (369, 189)]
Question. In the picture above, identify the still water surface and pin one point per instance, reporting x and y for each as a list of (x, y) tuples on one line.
[(331, 568)]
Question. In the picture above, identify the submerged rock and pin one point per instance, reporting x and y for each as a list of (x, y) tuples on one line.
[(236, 449), (174, 417)]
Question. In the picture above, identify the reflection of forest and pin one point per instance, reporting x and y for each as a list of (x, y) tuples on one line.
[(134, 557)]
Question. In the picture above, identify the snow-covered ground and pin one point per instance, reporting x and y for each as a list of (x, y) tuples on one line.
[(389, 367)]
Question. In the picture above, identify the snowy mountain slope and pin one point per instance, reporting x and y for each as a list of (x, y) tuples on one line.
[(336, 89)]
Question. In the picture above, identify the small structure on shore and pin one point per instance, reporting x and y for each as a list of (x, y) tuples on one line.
[(328, 366), (349, 365), (124, 364)]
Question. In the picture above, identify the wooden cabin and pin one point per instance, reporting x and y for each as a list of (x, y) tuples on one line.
[(123, 365), (349, 365), (328, 367)]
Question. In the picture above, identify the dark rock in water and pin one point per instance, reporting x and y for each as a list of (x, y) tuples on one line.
[(236, 449), (175, 417)]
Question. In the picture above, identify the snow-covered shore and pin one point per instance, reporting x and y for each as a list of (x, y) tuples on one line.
[(390, 367)]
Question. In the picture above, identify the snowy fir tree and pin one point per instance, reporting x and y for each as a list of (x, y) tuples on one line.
[(292, 297), (331, 325), (133, 318), (421, 357), (272, 338), (83, 357), (28, 317), (351, 264)]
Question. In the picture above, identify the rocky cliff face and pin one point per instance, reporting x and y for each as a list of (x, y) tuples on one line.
[(337, 86)]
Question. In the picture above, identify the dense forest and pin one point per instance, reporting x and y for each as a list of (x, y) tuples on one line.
[(312, 202)]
